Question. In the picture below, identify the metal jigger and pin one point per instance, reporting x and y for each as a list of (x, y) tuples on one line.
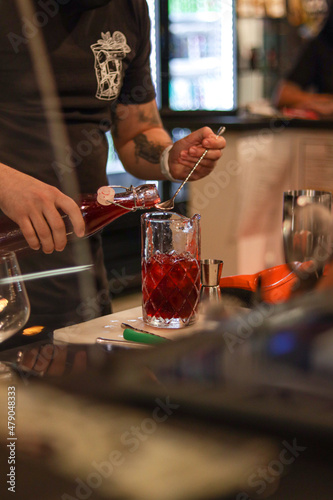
[(211, 271)]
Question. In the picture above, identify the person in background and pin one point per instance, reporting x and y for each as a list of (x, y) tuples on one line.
[(309, 84), (99, 53)]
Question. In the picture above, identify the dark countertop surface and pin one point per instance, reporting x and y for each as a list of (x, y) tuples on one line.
[(240, 121), (87, 401)]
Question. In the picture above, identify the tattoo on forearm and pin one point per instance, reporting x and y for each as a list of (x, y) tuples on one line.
[(147, 150), (152, 118)]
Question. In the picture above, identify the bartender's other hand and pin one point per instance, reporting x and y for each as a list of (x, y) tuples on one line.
[(320, 103), (186, 152), (34, 205)]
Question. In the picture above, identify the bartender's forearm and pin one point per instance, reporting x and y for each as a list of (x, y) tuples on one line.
[(140, 139), (291, 94), (141, 156)]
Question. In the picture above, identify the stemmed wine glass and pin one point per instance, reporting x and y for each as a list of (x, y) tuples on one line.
[(307, 233), (14, 301)]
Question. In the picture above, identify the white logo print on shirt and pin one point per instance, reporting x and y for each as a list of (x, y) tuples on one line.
[(109, 52)]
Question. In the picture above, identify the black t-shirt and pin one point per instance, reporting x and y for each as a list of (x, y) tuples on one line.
[(99, 56), (314, 68)]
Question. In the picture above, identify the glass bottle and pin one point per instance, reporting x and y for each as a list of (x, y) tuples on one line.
[(98, 210)]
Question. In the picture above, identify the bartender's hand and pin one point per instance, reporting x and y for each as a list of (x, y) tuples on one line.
[(289, 94), (34, 205), (320, 103), (186, 152)]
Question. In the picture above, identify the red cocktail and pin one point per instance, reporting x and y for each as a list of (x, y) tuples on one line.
[(171, 289), (170, 269)]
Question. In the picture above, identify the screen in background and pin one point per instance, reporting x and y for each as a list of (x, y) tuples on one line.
[(202, 55)]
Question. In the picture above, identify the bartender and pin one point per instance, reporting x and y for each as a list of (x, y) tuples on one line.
[(99, 52), (309, 84)]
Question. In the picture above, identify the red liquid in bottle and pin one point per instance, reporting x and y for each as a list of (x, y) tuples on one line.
[(95, 215), (171, 288)]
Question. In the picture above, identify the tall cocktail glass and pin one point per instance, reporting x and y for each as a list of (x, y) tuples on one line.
[(170, 269)]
